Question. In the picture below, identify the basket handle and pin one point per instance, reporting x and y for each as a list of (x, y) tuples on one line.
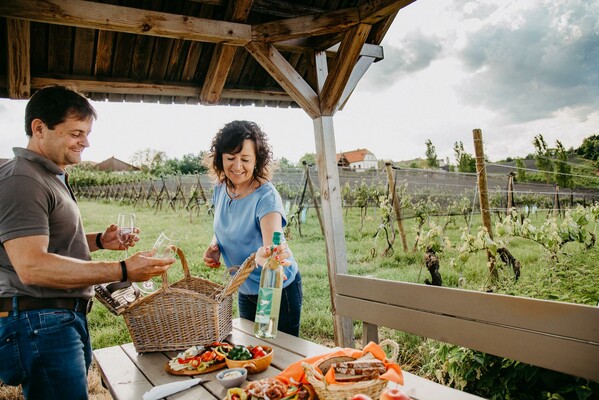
[(394, 348), (181, 255), (311, 370)]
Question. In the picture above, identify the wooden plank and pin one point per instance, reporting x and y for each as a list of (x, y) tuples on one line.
[(104, 51), (89, 14), (422, 389), (532, 347), (300, 347), (556, 318), (18, 62), (293, 83), (375, 11), (152, 366), (310, 25), (342, 68), (84, 51), (119, 373), (356, 75), (222, 57), (60, 39)]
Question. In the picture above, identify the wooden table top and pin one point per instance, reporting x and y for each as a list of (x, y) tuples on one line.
[(128, 375)]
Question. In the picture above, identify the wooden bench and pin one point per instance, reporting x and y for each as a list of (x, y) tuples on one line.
[(555, 335)]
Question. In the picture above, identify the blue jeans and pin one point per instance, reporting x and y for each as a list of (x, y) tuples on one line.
[(291, 307), (47, 351)]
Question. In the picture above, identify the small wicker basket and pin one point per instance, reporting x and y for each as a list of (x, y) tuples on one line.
[(192, 311), (343, 391)]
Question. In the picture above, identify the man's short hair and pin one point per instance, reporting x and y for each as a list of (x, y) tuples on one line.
[(54, 104)]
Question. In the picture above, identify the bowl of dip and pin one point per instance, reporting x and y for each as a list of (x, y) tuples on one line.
[(232, 377)]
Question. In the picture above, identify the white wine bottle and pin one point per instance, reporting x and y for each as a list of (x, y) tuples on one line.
[(269, 295)]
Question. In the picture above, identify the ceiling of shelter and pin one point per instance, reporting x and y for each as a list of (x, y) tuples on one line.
[(294, 53)]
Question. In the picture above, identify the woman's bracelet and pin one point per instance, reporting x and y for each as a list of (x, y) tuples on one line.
[(123, 271), (99, 241)]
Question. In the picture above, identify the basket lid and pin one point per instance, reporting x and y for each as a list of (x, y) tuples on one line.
[(238, 278)]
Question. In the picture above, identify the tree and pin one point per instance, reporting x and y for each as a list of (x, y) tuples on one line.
[(562, 168), (543, 157), (464, 161), (589, 148), (309, 158), (190, 164), (285, 163), (431, 155), (149, 160), (521, 172)]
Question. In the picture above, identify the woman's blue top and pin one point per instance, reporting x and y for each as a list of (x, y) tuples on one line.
[(237, 229)]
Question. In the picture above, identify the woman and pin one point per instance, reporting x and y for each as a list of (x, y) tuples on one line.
[(247, 210)]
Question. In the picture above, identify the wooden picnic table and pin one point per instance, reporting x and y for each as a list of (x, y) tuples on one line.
[(128, 375)]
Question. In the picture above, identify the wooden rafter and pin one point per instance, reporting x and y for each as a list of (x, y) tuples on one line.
[(293, 83), (342, 67), (152, 88), (222, 56), (88, 14), (19, 80)]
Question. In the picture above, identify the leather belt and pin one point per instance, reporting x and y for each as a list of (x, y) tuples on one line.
[(25, 303)]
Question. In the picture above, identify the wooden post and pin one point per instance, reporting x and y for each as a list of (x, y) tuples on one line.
[(330, 200), (556, 207), (510, 193), (483, 194), (314, 200), (396, 206)]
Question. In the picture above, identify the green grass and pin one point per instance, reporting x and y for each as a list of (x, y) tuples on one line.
[(574, 278)]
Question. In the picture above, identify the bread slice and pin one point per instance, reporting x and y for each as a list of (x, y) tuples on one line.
[(360, 367), (356, 378), (325, 363)]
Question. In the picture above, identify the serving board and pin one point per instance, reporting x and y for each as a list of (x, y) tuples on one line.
[(192, 372)]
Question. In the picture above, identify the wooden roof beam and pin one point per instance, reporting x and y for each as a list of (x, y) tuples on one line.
[(284, 73), (343, 65), (18, 53), (86, 85), (222, 57), (88, 14), (327, 23)]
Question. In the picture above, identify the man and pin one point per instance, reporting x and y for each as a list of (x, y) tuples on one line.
[(46, 272)]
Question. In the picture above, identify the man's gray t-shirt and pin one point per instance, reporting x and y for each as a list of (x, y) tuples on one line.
[(33, 201)]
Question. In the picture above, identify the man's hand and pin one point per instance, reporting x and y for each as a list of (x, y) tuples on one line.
[(110, 240)]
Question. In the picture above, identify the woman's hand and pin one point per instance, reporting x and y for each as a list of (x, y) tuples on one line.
[(212, 256), (283, 253), (110, 240)]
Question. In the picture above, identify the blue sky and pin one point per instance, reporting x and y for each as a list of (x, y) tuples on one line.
[(513, 68)]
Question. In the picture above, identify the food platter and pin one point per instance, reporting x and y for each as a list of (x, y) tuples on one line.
[(186, 372), (199, 360)]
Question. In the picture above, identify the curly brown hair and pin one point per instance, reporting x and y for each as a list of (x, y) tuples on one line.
[(229, 140)]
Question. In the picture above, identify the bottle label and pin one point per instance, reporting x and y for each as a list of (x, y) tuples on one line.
[(269, 303)]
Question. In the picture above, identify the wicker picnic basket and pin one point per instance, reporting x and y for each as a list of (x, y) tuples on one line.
[(343, 391), (192, 311)]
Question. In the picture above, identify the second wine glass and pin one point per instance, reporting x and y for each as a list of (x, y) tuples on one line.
[(126, 228), (164, 247)]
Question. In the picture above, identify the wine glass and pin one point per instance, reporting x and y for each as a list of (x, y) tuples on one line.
[(126, 227), (164, 247)]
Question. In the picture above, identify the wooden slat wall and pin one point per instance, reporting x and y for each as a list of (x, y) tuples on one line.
[(559, 336)]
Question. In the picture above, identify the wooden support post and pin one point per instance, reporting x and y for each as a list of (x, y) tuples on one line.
[(510, 193), (396, 206), (330, 199), (483, 194), (556, 207), (314, 200)]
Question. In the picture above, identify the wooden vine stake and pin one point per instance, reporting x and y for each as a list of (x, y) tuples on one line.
[(396, 207), (483, 194)]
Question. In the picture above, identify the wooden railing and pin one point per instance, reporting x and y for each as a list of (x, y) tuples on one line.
[(559, 336)]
